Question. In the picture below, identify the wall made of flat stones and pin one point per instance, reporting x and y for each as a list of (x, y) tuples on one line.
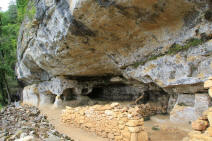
[(115, 122), (202, 127)]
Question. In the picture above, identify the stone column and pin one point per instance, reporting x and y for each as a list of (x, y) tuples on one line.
[(136, 130)]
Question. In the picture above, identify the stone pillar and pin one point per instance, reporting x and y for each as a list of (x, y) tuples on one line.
[(30, 95), (136, 130)]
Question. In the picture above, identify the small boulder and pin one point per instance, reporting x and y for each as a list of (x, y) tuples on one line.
[(199, 125)]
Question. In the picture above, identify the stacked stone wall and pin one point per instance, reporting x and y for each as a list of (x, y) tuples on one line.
[(115, 122), (202, 127)]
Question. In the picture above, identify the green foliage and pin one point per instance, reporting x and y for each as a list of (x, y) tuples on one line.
[(136, 64), (22, 9), (174, 49), (31, 11), (10, 22)]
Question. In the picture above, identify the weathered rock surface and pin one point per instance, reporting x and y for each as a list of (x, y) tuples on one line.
[(129, 48), (189, 107), (98, 38), (25, 123)]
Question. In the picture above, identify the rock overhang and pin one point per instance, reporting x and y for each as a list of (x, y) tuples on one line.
[(106, 38)]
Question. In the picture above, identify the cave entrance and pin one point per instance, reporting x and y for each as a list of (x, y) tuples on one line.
[(156, 99), (150, 101), (68, 95), (115, 92)]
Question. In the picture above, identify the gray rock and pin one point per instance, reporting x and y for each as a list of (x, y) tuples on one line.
[(189, 107), (184, 72), (202, 103), (33, 125), (73, 46)]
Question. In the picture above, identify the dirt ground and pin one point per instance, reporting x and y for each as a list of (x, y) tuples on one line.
[(159, 128), (76, 134)]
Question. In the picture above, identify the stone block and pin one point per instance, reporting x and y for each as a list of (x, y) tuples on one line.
[(135, 129), (115, 104), (202, 103), (30, 95), (111, 136), (134, 137), (183, 114), (209, 131), (186, 99), (210, 118), (143, 136), (199, 125), (126, 134), (210, 92), (133, 123), (208, 84)]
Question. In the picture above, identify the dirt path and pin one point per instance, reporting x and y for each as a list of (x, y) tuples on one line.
[(74, 133), (160, 128)]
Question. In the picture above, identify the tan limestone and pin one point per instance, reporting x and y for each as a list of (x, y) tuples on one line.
[(199, 125), (209, 131), (210, 92), (109, 121), (208, 84), (210, 117)]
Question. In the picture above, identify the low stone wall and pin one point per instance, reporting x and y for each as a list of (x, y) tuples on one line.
[(115, 122)]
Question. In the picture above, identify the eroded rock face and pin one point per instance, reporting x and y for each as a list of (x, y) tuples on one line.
[(78, 45), (95, 38), (189, 107)]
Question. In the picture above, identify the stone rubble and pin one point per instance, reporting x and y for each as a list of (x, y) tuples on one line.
[(151, 109), (115, 122), (203, 125), (26, 123)]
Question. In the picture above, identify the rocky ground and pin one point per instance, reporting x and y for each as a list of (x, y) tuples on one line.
[(26, 123)]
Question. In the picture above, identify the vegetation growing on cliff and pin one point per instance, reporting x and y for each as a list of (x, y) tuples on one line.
[(10, 22), (174, 49)]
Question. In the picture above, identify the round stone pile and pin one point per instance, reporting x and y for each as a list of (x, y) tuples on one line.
[(23, 122)]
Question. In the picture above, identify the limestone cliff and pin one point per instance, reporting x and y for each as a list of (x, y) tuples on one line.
[(157, 45)]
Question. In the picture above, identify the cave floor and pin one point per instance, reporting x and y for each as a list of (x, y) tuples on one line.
[(158, 127)]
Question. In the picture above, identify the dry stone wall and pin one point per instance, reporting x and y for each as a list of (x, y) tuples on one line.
[(115, 122), (202, 127)]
